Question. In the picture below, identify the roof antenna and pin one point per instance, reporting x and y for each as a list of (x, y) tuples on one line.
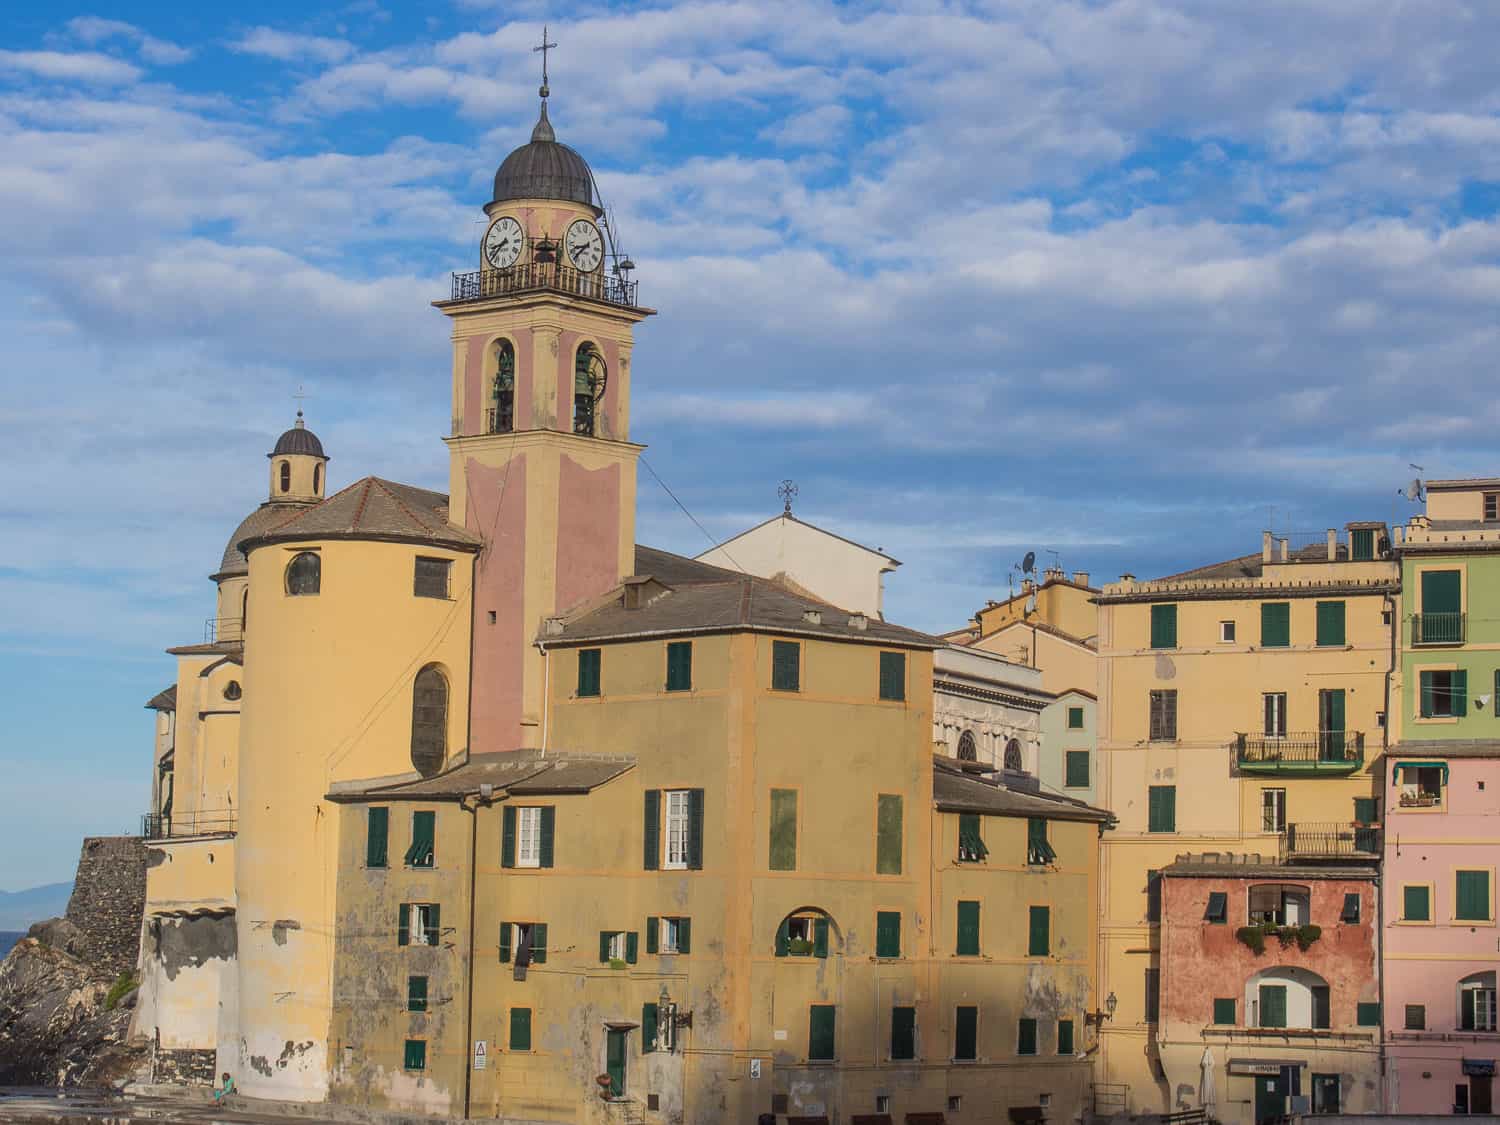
[(788, 492)]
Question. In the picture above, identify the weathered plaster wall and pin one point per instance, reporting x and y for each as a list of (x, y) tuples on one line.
[(109, 894)]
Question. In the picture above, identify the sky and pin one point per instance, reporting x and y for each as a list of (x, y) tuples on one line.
[(1121, 282)]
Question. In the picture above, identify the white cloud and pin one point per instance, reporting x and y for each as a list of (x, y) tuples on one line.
[(95, 29), (78, 66), (288, 46)]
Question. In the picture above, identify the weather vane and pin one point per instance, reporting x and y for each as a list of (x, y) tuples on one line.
[(544, 47), (788, 493)]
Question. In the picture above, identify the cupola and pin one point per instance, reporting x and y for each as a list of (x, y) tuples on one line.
[(298, 466)]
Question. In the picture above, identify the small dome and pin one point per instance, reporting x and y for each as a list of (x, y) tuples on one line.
[(545, 169), (257, 522), (299, 439)]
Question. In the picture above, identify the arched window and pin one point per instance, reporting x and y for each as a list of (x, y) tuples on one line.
[(286, 476), (503, 412), (317, 479), (1287, 996), (806, 932), (587, 368), (1013, 759), (1476, 1002), (244, 610), (304, 574), (429, 720), (968, 749)]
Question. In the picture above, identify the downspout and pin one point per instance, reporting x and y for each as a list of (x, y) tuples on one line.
[(1385, 732), (473, 811), (1385, 743), (546, 693)]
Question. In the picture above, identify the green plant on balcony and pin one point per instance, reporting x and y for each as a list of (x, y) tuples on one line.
[(1306, 935), (799, 947), (1254, 938), (617, 962)]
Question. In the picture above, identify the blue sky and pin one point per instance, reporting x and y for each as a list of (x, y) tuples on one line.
[(1120, 279)]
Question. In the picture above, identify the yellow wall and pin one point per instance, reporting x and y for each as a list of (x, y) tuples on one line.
[(1064, 664), (1058, 603)]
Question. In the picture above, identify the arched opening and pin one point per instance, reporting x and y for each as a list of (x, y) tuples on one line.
[(1280, 904), (244, 610), (317, 480), (1476, 1002), (429, 720), (588, 368), (1284, 996), (286, 476), (968, 749), (304, 574), (807, 931), (1013, 759), (502, 413)]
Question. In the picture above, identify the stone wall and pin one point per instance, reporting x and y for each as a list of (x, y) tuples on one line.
[(188, 1067), (109, 897)]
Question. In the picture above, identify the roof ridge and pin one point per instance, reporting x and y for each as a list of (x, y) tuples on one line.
[(400, 503)]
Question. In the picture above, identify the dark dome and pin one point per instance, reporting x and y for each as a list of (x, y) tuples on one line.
[(299, 439), (257, 522), (545, 169)]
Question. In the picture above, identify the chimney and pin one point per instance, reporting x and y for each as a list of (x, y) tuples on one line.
[(1265, 546), (1053, 574), (1080, 578), (553, 627), (1284, 549), (635, 591), (858, 622), (1333, 545), (1396, 535)]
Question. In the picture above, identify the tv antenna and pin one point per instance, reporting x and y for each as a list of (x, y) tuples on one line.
[(1415, 490)]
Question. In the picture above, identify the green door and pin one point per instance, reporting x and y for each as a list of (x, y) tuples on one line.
[(614, 1063), (1273, 1005), (1331, 724), (1270, 1096)]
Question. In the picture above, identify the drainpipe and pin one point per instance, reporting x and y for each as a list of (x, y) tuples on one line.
[(473, 811), (1385, 733), (1385, 742)]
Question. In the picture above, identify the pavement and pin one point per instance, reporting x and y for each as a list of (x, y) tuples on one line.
[(177, 1104)]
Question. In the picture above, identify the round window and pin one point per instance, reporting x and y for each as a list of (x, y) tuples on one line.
[(232, 690)]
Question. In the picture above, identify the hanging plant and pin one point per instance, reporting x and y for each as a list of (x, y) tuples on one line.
[(1308, 934), (1253, 938)]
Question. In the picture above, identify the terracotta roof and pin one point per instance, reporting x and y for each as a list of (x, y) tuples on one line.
[(372, 509), (955, 789), (164, 700), (266, 516), (517, 772), (1446, 748), (1224, 865)]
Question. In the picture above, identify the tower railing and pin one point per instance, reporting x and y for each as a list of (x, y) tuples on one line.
[(528, 277)]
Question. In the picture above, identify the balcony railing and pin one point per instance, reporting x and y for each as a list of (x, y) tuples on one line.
[(542, 276), (1315, 752), (217, 629), (1437, 628), (205, 822), (1330, 841)]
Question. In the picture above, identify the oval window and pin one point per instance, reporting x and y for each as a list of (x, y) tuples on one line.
[(304, 574), (232, 690)]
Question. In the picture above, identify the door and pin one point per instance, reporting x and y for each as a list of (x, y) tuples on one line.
[(1331, 724), (614, 1063), (1273, 1005), (1479, 1094), (1270, 1096)]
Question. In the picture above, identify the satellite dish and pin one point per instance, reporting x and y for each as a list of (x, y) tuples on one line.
[(1414, 490), (1028, 564)]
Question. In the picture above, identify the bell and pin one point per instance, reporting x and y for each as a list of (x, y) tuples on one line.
[(544, 253)]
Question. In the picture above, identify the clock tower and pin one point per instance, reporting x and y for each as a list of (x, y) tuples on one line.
[(541, 466)]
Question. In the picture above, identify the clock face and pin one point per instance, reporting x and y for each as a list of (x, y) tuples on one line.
[(503, 243), (585, 246)]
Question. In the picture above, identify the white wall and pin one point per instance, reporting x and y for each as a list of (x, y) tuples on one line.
[(833, 569)]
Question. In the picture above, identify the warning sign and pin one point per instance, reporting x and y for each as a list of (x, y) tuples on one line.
[(481, 1053)]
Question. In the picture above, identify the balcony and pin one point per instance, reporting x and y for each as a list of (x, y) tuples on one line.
[(1323, 753), (220, 629), (205, 822), (1330, 841), (538, 277), (1437, 628)]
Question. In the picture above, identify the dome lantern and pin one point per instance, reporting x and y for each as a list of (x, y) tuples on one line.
[(297, 465)]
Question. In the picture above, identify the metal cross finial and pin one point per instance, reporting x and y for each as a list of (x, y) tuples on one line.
[(788, 493), (299, 394), (544, 47)]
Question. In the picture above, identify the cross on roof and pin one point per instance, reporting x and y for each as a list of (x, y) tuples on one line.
[(788, 492), (544, 47)]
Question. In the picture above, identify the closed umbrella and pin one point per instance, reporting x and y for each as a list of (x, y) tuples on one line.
[(1206, 1093)]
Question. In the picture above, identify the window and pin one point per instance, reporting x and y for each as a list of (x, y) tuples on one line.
[(1164, 626), (903, 1033), (1275, 624), (1421, 785), (1440, 618), (1331, 741), (1364, 810), (286, 476), (415, 1055), (619, 945), (1416, 1017), (524, 943), (1476, 1002), (786, 666), (418, 923), (1471, 898), (429, 720), (1161, 808), (681, 845), (1164, 715), (888, 834), (1367, 1013), (1013, 760), (1445, 693), (676, 858), (1273, 708), (1038, 850), (1321, 1005), (317, 480), (967, 944), (669, 935), (430, 578), (680, 666), (1325, 1087), (820, 1029), (1226, 632), (802, 935), (1026, 1037), (968, 750), (527, 836), (1217, 911), (1330, 624), (650, 1027), (377, 837), (1350, 911), (893, 676), (783, 830), (1064, 1037), (520, 1029), (1273, 810), (887, 933), (1362, 544), (1416, 903), (1077, 769), (304, 574), (503, 412), (1278, 904), (1039, 932), (966, 1033), (416, 994), (971, 847), (423, 839), (882, 1103), (588, 386), (1153, 995), (1272, 1005), (588, 672), (1492, 506), (1224, 1010)]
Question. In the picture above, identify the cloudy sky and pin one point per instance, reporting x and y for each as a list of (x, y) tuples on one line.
[(1118, 280)]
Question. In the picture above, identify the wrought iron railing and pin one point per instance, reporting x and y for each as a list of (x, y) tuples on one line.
[(497, 421), (1302, 749), (1437, 628), (1330, 841), (204, 822), (217, 629), (532, 276)]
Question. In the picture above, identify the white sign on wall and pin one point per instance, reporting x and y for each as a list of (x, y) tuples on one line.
[(754, 1068), (481, 1054)]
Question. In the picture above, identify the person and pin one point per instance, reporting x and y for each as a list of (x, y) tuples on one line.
[(225, 1090)]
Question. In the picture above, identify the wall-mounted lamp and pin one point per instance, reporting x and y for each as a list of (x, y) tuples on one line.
[(1096, 1017)]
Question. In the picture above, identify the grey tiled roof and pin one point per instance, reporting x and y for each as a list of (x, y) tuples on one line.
[(954, 790), (518, 772), (372, 509), (1225, 865), (256, 523), (164, 700), (1447, 748)]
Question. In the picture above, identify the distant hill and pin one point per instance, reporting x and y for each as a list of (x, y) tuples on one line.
[(19, 909)]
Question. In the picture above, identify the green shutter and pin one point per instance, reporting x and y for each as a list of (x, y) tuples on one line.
[(966, 1032), (1428, 697), (695, 830), (893, 676), (416, 994), (377, 837), (1362, 544), (1466, 1009), (887, 933), (684, 935), (653, 935), (968, 930), (652, 833), (1349, 913), (434, 923), (1077, 769), (505, 935), (1164, 626), (1330, 623), (1064, 1037), (403, 924), (1414, 904), (1364, 810), (1460, 692), (1038, 849), (1162, 808), (971, 847), (1224, 1010), (588, 671), (648, 1028), (520, 1029), (508, 836), (783, 830), (1273, 1005), (1039, 940), (820, 937), (820, 1031), (415, 1055), (1367, 1013), (604, 936), (783, 939), (539, 943), (1075, 718), (1442, 592), (1026, 1037), (632, 947), (680, 666), (1472, 896), (786, 670), (423, 827), (1321, 1006), (903, 1033), (888, 834), (549, 832), (1275, 624)]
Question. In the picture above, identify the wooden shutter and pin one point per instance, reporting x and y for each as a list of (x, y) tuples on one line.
[(1218, 907), (423, 827), (966, 1032), (1472, 896), (632, 947), (680, 666), (1273, 1005), (588, 671), (887, 933), (1224, 1010), (414, 1057), (783, 855), (786, 661), (505, 935), (1164, 626), (820, 937), (1427, 681), (968, 930), (416, 994), (1442, 592), (684, 935), (903, 1033), (1364, 810), (820, 1031), (653, 935), (520, 1029), (1466, 1009), (1367, 1014), (604, 939), (1362, 544), (1078, 769), (1460, 692), (971, 846), (648, 1028), (434, 923), (377, 837), (1320, 1006), (1026, 1037), (888, 834), (1275, 624), (893, 675), (1330, 623), (403, 924), (508, 836), (539, 942), (652, 831), (783, 939), (695, 830), (548, 832), (1162, 808), (1039, 939), (1064, 1037)]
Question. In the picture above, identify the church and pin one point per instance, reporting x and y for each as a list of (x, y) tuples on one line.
[(470, 805)]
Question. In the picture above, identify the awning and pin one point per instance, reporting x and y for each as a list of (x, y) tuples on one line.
[(1479, 1068), (1261, 1066), (1421, 766)]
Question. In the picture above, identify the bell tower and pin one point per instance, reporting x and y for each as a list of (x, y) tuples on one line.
[(541, 465)]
